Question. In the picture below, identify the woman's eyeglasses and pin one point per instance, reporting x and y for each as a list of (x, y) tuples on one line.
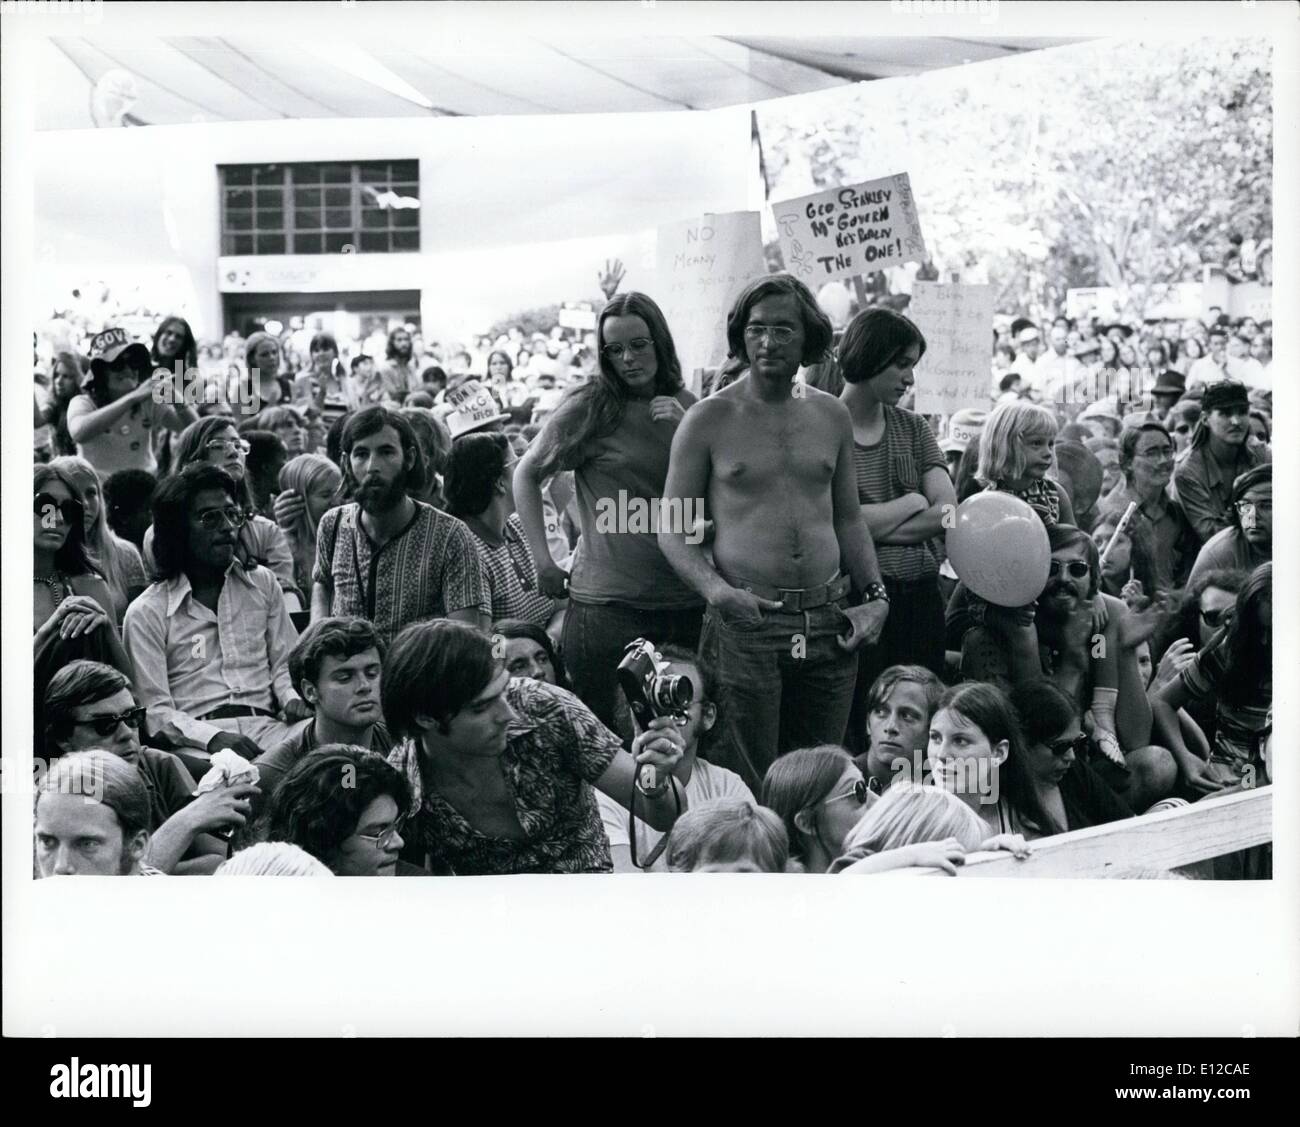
[(639, 346), (781, 334), (385, 839), (1077, 569), (859, 791), (229, 446), (1078, 745), (1216, 618), (45, 505), (107, 725), (215, 518)]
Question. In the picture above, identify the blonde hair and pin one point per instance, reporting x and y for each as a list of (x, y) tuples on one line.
[(113, 554), (908, 813), (1001, 457), (728, 829), (273, 859), (301, 475)]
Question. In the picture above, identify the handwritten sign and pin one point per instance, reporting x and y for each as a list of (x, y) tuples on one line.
[(701, 265), (844, 232), (956, 370)]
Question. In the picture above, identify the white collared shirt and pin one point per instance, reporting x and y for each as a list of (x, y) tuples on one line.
[(189, 661)]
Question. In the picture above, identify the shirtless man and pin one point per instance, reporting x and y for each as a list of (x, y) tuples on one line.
[(774, 461)]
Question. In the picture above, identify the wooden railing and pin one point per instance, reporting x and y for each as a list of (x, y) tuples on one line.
[(1167, 840)]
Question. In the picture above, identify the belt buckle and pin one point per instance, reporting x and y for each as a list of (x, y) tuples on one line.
[(791, 600)]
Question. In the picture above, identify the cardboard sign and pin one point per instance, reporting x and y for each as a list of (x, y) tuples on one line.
[(701, 265), (581, 317), (845, 232), (956, 370)]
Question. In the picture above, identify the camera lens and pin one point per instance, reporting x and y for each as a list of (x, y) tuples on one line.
[(673, 693)]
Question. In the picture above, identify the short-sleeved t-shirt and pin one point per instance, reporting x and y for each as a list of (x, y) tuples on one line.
[(428, 570), (886, 471), (512, 574), (708, 781), (128, 443), (554, 750), (619, 480), (169, 784)]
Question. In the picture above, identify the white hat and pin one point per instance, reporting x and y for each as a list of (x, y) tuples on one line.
[(1027, 335), (470, 407)]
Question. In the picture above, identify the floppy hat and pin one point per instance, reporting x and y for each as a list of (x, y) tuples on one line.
[(108, 345), (1170, 383), (470, 407)]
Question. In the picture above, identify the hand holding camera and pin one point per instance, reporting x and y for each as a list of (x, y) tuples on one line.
[(659, 702), (657, 751)]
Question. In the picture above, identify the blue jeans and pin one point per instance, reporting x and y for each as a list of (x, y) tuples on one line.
[(595, 636), (782, 683)]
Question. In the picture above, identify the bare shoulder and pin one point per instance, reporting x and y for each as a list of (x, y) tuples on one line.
[(827, 405)]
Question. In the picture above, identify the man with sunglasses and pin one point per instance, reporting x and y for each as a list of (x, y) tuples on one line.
[(210, 640), (1249, 541), (89, 706), (1057, 640)]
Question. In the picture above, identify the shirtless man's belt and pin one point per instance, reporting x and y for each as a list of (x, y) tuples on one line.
[(795, 600)]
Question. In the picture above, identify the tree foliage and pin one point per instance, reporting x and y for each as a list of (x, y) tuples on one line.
[(1108, 163)]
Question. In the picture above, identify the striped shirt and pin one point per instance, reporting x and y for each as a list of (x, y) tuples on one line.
[(512, 576), (428, 570), (886, 471)]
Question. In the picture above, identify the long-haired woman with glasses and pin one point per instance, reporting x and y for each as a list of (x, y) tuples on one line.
[(820, 795), (614, 432), (215, 440)]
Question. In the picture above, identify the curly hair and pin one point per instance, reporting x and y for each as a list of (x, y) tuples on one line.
[(171, 510), (319, 803)]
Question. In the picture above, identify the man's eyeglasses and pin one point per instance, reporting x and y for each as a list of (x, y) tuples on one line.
[(229, 446), (638, 346), (46, 505), (385, 839), (1077, 569), (859, 791), (781, 334), (1078, 745), (1156, 453), (215, 518), (107, 725), (1216, 618), (1250, 508)]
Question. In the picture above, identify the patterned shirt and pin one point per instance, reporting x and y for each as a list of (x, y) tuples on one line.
[(554, 750), (512, 575), (428, 570), (1042, 495), (892, 467)]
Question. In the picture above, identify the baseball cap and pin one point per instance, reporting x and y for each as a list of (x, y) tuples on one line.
[(108, 345)]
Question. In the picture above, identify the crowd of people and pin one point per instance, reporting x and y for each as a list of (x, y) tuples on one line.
[(308, 611)]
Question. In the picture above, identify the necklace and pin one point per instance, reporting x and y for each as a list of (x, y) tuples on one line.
[(58, 591)]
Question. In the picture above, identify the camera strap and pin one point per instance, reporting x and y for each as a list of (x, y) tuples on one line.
[(657, 851)]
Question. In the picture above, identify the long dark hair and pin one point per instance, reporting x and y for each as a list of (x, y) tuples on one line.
[(519, 628), (171, 510), (1248, 657), (987, 707), (594, 410), (1183, 620), (74, 557), (189, 353)]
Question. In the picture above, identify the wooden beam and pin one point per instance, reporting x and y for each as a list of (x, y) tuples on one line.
[(1167, 840)]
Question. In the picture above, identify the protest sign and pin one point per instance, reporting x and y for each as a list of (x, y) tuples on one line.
[(956, 370), (701, 265), (845, 232), (579, 315)]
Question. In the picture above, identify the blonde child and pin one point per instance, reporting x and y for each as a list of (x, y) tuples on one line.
[(1015, 456), (728, 835)]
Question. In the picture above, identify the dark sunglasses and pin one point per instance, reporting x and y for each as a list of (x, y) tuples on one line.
[(46, 504), (1216, 618), (1077, 568), (1078, 745), (107, 725), (859, 792)]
